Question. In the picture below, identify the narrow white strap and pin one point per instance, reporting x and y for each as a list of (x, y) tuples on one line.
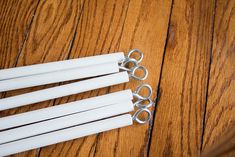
[(59, 76), (60, 65), (64, 109), (66, 121), (65, 134), (64, 90)]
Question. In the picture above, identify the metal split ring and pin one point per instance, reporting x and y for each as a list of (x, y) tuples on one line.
[(133, 73), (132, 70), (136, 118), (126, 61), (142, 102), (141, 87), (139, 103), (131, 52)]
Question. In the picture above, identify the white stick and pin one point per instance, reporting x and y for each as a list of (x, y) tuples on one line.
[(64, 90), (59, 76), (65, 122), (65, 135), (64, 109), (60, 65)]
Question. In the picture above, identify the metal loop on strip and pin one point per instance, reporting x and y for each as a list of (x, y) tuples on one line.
[(139, 103), (136, 118), (129, 60), (126, 61), (133, 73), (138, 90), (132, 70), (131, 52)]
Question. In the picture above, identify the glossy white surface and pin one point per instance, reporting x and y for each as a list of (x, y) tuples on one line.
[(65, 134), (65, 122), (64, 109), (63, 90), (60, 65), (59, 76)]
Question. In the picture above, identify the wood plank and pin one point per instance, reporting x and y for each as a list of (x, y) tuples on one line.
[(224, 146), (49, 39), (14, 26), (178, 122), (220, 110), (108, 26)]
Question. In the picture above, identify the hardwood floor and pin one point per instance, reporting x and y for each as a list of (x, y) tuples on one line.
[(189, 51)]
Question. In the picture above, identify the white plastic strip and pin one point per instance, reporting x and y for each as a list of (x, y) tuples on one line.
[(60, 65), (65, 135), (58, 76), (65, 122), (64, 90), (64, 109)]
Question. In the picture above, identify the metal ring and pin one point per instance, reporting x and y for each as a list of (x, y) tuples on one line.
[(126, 61), (139, 104), (133, 75), (129, 60), (141, 56), (138, 112), (139, 88)]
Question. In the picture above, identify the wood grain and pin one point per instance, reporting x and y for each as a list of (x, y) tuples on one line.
[(14, 26), (107, 26), (224, 146), (49, 39), (220, 110), (179, 118), (188, 50)]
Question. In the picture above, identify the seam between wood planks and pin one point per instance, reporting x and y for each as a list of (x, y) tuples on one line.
[(208, 77), (158, 93)]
